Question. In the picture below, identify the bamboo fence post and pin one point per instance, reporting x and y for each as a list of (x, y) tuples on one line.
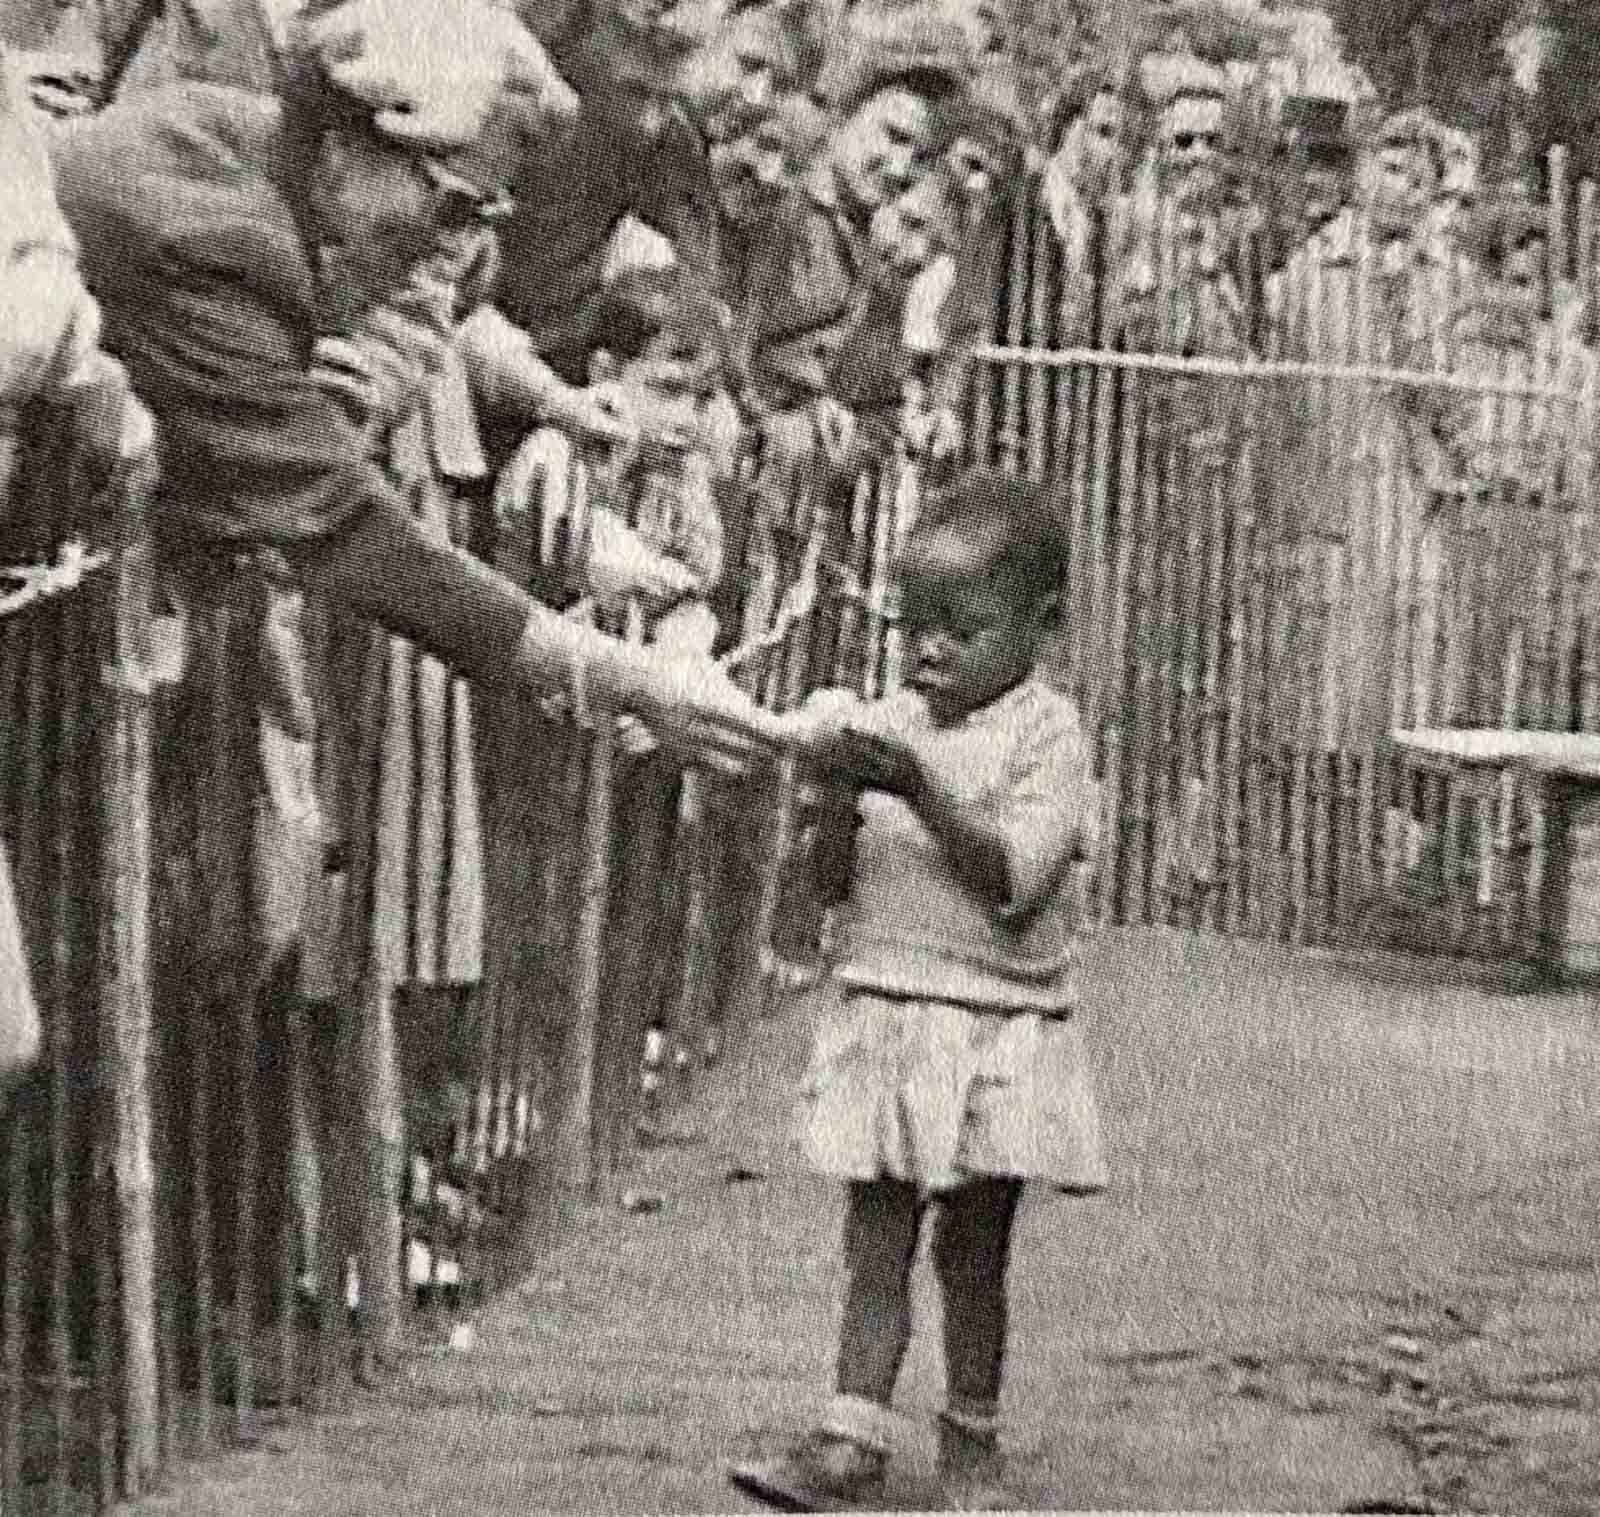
[(1187, 616), (20, 1285), (1114, 683), (1016, 333), (779, 850), (1136, 727), (381, 1128), (125, 990), (18, 1273), (1100, 673), (1289, 795), (1324, 861), (54, 658), (696, 983), (629, 973), (877, 589), (1232, 850), (1038, 380), (197, 1034), (293, 1373), (982, 440), (1215, 705), (1076, 449), (852, 613), (571, 1089)]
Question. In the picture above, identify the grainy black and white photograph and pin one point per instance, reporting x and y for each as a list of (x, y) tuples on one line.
[(799, 756)]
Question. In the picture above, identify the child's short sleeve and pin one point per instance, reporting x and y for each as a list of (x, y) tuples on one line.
[(1049, 813)]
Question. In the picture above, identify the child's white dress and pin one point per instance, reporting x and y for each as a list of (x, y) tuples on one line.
[(951, 1048)]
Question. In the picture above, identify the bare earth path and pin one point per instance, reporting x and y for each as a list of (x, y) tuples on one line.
[(1351, 1255)]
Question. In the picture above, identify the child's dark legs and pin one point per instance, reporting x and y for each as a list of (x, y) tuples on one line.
[(840, 1465), (880, 1243), (971, 1249)]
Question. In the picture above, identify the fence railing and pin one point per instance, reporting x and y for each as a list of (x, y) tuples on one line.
[(78, 1379)]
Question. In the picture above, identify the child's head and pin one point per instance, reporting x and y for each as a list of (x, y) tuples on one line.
[(980, 581), (659, 337)]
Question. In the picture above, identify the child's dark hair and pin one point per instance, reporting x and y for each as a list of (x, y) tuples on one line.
[(1008, 522), (640, 304)]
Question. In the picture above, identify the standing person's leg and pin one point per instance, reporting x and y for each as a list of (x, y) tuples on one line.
[(971, 1252), (841, 1464)]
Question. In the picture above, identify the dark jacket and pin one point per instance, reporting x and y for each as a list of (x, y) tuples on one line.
[(191, 240), (194, 239)]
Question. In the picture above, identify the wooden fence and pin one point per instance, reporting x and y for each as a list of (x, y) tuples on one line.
[(78, 1376), (1265, 585), (1244, 633)]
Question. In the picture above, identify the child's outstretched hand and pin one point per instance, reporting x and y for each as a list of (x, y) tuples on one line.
[(817, 728), (881, 761), (835, 732)]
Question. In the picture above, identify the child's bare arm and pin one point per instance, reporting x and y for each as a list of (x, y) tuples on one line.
[(1011, 850)]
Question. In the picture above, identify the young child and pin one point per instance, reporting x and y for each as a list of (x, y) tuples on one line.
[(655, 340), (949, 1070)]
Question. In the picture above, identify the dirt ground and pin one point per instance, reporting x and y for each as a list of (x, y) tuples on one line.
[(1350, 1261)]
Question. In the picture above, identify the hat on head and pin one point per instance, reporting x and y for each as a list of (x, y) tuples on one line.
[(875, 49), (1219, 31), (990, 110), (664, 29), (462, 81), (1168, 77)]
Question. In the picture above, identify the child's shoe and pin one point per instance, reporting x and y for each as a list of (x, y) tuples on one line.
[(823, 1472), (970, 1475)]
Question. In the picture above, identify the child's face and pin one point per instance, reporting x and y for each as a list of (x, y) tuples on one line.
[(971, 635), (667, 388)]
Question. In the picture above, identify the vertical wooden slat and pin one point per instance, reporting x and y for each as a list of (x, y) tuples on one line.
[(1234, 777), (1038, 336), (1103, 581), (1014, 375), (698, 844), (202, 1241), (126, 1010), (15, 1290), (1135, 661), (572, 1083), (54, 680)]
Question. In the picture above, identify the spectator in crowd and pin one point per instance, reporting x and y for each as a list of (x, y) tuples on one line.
[(1365, 471), (950, 308), (1518, 465), (733, 88), (1083, 188), (632, 152), (811, 287), (748, 65)]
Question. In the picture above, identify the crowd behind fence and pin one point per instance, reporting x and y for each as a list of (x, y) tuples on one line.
[(1227, 660)]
